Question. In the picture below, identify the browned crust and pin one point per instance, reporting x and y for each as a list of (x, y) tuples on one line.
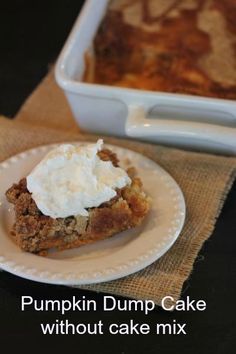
[(35, 232), (167, 59)]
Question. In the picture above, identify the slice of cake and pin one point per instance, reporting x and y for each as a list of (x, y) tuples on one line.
[(76, 195)]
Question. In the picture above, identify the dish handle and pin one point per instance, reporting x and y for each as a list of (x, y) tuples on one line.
[(139, 126)]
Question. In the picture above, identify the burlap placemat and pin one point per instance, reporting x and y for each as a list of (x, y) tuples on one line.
[(205, 180)]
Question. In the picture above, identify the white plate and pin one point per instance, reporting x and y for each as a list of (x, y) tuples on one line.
[(114, 258)]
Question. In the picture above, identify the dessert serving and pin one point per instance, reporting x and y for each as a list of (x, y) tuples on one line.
[(183, 46), (76, 195)]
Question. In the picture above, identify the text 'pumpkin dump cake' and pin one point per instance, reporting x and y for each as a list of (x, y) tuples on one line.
[(76, 195)]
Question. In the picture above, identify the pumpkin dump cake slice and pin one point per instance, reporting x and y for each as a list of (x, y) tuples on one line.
[(76, 195)]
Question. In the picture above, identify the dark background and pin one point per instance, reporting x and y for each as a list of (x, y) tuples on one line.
[(31, 36)]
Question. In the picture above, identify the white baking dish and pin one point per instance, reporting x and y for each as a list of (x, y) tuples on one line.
[(174, 119)]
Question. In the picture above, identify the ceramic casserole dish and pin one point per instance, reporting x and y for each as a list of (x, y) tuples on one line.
[(174, 119)]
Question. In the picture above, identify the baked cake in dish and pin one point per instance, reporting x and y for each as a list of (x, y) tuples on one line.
[(36, 232), (177, 46)]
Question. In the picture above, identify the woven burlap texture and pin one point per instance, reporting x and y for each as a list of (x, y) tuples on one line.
[(204, 179)]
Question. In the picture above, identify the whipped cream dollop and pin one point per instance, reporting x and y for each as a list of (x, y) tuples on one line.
[(72, 178)]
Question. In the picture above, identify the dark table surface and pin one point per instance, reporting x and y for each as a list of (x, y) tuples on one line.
[(32, 34)]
